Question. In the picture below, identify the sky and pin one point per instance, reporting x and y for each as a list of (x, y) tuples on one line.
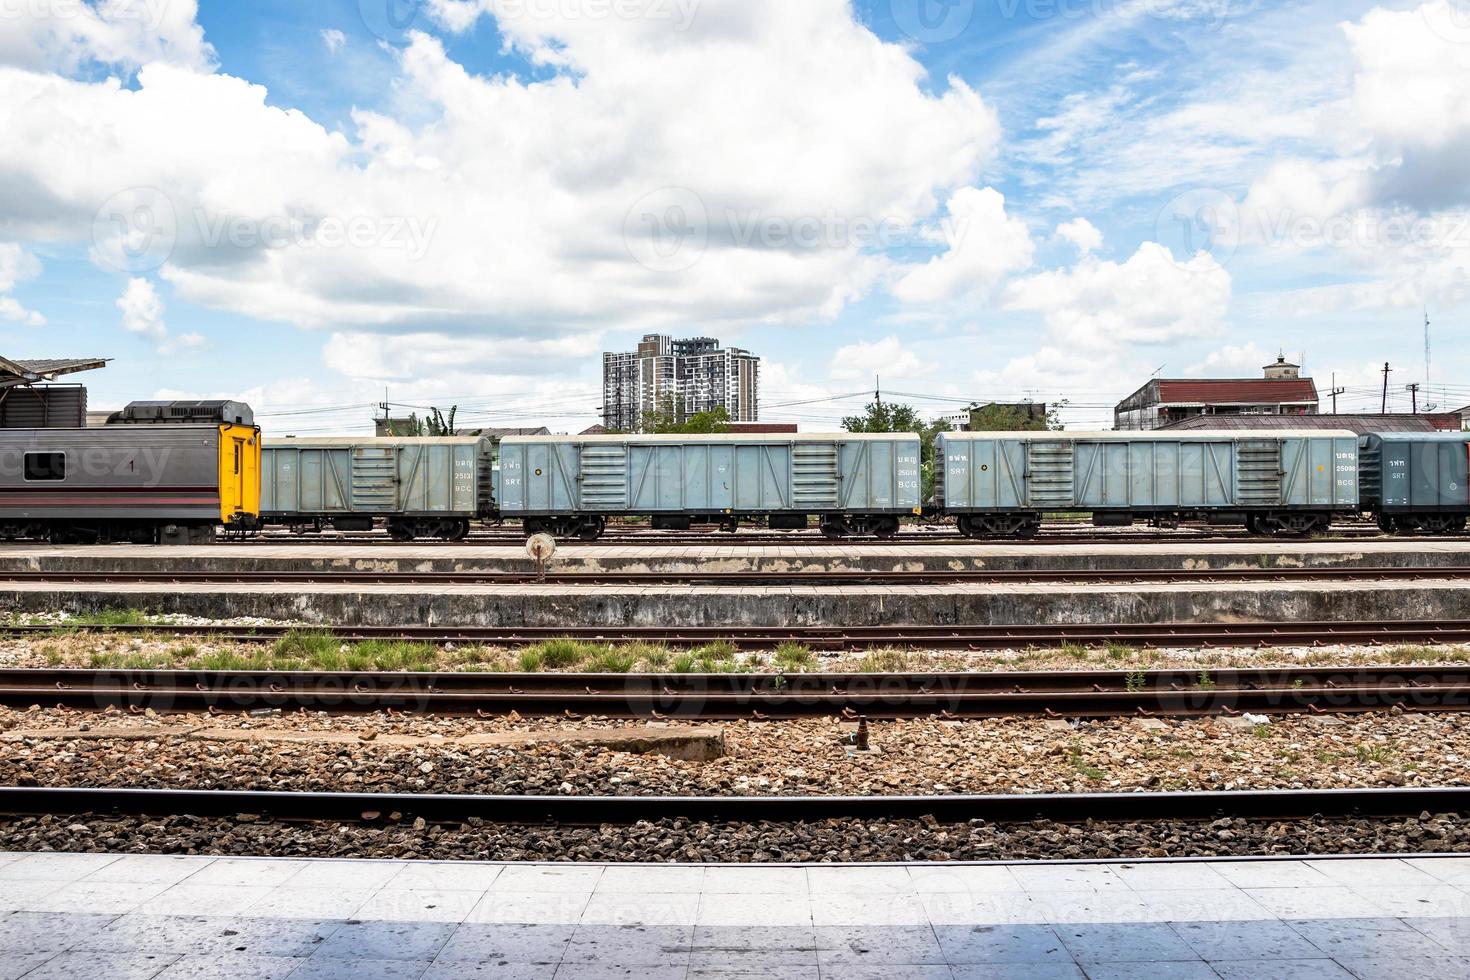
[(315, 207)]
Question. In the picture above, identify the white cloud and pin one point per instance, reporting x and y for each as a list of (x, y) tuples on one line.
[(401, 356), (1082, 234), (888, 357), (142, 311), (516, 209), (64, 35), (1151, 298), (333, 39), (1236, 361), (985, 245), (16, 266)]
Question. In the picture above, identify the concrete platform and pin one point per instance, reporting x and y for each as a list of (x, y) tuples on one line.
[(857, 605), (80, 915), (739, 558)]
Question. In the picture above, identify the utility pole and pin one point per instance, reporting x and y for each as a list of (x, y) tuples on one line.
[(1414, 394), (1426, 345), (1335, 392), (1386, 371)]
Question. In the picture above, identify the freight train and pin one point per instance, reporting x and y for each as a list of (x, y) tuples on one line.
[(180, 472)]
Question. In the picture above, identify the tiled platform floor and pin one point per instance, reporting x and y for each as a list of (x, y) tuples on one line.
[(78, 916)]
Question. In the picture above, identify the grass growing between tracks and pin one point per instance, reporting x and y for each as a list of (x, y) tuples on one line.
[(306, 649)]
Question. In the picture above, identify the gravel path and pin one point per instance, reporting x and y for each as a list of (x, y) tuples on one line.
[(792, 758), (681, 841)]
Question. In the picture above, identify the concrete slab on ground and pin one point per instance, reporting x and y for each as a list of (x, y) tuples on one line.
[(556, 606), (1400, 552), (149, 916)]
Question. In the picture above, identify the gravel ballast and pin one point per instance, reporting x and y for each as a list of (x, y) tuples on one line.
[(380, 753), (697, 842)]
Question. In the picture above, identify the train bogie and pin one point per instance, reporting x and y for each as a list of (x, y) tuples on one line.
[(851, 483), (420, 487), (1001, 484), (1416, 481)]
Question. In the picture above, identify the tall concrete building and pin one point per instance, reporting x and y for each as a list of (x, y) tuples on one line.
[(693, 375)]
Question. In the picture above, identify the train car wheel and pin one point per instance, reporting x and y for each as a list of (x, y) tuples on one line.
[(591, 530), (885, 527)]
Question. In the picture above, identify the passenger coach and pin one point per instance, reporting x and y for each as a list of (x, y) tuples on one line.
[(1000, 484), (157, 472)]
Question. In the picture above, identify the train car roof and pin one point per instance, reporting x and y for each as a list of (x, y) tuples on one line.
[(1155, 435), (775, 438), (335, 442), (1419, 436)]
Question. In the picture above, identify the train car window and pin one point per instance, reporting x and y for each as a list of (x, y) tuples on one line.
[(237, 457), (45, 466)]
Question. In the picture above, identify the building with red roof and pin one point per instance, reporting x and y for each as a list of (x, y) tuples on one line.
[(1165, 401)]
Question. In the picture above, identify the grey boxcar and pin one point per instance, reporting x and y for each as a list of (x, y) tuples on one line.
[(170, 484), (422, 487), (569, 485), (1416, 481), (1001, 483)]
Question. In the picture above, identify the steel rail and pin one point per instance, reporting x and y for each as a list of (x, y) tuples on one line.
[(831, 638), (1343, 573), (392, 808), (999, 694)]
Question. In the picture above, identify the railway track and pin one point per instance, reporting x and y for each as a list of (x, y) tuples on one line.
[(394, 808), (1349, 573), (835, 638), (699, 697)]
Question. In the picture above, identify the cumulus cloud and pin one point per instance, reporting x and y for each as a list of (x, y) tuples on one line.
[(142, 311), (333, 39), (1150, 298), (984, 246), (1386, 193), (65, 35), (1081, 234), (498, 207), (889, 356), (17, 265), (1235, 360)]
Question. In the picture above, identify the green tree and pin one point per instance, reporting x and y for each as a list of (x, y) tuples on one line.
[(1009, 418), (668, 421)]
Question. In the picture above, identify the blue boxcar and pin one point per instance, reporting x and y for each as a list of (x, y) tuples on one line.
[(1416, 481), (569, 485), (1001, 483), (422, 487)]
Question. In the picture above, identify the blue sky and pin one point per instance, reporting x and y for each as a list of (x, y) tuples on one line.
[(974, 199)]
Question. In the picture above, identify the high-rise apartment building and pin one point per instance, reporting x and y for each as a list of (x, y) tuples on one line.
[(690, 376)]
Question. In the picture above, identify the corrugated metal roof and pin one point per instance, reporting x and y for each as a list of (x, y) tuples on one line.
[(1352, 423), (1232, 391), (13, 372)]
